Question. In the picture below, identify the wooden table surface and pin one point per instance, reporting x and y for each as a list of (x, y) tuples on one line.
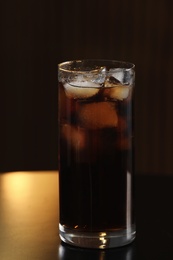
[(29, 214)]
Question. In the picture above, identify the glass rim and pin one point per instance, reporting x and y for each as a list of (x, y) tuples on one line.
[(125, 65)]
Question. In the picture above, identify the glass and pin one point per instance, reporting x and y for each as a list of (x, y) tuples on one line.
[(66, 252), (96, 155)]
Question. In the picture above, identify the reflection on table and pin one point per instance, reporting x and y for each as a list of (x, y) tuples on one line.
[(66, 252), (29, 219)]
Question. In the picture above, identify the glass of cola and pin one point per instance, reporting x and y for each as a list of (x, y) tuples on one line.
[(96, 153)]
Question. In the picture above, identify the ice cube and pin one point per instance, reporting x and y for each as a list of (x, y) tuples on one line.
[(117, 73), (111, 82), (98, 115), (115, 90), (75, 136), (119, 92), (81, 89), (100, 75)]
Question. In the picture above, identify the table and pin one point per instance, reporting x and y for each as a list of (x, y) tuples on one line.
[(29, 220)]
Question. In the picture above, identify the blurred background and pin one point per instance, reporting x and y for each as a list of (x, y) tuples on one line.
[(37, 35)]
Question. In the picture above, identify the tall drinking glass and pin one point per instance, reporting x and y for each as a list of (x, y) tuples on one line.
[(96, 155)]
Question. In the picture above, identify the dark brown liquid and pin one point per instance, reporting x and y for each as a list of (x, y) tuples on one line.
[(94, 161)]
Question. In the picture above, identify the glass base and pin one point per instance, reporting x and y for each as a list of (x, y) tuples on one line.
[(100, 240)]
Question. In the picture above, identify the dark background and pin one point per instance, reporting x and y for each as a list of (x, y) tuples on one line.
[(37, 35)]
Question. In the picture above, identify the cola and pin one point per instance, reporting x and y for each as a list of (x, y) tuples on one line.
[(96, 155)]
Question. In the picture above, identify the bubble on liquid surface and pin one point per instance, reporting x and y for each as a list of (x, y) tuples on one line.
[(98, 115)]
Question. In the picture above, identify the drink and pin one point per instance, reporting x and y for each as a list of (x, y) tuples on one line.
[(96, 155)]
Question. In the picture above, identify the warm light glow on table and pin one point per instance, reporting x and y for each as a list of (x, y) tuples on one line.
[(30, 200)]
